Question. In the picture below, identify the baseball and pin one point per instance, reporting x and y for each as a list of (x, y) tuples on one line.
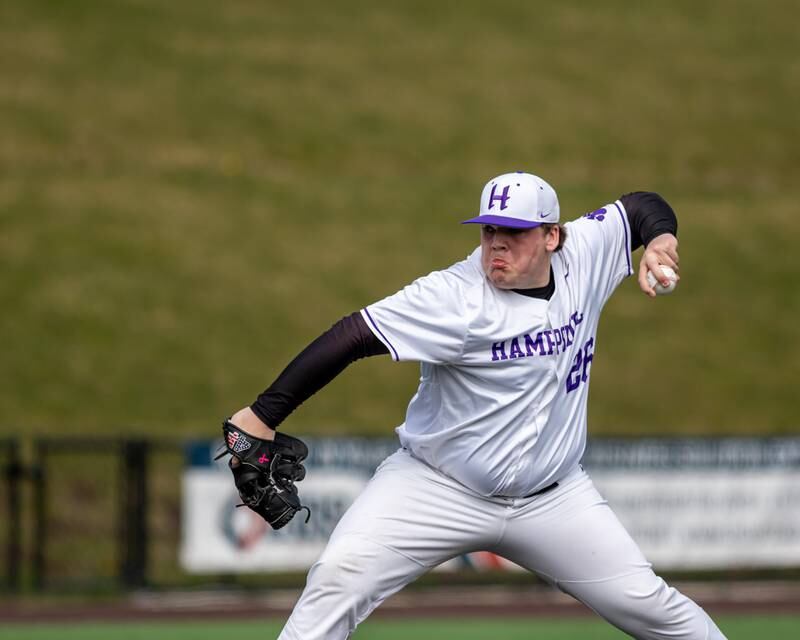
[(660, 288)]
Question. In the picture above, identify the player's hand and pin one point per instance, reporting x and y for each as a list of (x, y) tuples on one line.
[(250, 423), (662, 249)]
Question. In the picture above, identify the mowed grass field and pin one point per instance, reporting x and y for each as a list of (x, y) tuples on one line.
[(735, 627), (192, 191)]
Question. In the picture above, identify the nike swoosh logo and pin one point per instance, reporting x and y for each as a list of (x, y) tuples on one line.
[(543, 215)]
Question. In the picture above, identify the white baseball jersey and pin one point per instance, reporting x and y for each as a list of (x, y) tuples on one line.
[(501, 404)]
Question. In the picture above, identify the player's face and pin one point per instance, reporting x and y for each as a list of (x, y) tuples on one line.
[(517, 258)]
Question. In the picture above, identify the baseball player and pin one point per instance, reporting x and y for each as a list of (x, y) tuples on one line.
[(491, 446)]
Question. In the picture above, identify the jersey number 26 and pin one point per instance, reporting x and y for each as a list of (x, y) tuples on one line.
[(579, 372)]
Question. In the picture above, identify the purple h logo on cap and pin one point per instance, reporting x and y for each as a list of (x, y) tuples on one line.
[(503, 197)]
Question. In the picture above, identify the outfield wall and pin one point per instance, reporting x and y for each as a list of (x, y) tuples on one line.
[(691, 503)]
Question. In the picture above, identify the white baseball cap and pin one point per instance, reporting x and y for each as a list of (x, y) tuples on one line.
[(519, 200)]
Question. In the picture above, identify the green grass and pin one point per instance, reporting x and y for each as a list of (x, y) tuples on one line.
[(735, 627), (192, 191)]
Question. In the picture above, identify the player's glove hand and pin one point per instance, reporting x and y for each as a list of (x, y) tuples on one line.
[(265, 471)]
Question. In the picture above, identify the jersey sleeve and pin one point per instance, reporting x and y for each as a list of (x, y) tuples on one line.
[(600, 244), (425, 321)]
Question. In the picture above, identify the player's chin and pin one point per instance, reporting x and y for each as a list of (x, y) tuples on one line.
[(501, 279)]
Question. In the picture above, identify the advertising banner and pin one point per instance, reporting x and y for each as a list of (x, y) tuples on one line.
[(690, 503), (704, 503)]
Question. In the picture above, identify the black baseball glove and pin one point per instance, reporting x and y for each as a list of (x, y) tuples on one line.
[(265, 471)]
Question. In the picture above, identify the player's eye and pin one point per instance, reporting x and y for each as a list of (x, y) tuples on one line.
[(488, 229)]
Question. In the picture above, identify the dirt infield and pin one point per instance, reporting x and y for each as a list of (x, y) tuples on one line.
[(738, 597)]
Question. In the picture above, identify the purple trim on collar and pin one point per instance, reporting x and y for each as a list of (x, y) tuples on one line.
[(380, 333), (501, 221), (627, 242)]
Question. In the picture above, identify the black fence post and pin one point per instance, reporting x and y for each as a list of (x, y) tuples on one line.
[(14, 540), (133, 527), (38, 475)]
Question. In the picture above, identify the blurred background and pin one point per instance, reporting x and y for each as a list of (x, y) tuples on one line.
[(190, 192)]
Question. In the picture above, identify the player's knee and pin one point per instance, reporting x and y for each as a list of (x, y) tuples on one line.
[(342, 569), (655, 610), (330, 606)]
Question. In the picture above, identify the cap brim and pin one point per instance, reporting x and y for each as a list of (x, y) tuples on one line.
[(502, 221)]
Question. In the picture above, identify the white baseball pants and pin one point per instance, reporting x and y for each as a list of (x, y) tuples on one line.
[(411, 518)]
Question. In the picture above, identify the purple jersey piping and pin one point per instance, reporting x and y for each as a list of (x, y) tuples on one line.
[(627, 241), (380, 333)]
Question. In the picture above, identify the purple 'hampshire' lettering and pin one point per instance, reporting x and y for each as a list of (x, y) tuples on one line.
[(558, 339), (499, 348)]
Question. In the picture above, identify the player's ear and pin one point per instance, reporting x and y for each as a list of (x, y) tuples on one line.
[(552, 235)]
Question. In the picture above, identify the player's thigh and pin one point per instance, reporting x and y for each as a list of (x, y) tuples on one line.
[(412, 510), (572, 534)]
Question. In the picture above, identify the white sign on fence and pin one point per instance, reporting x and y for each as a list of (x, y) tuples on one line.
[(689, 503), (709, 519)]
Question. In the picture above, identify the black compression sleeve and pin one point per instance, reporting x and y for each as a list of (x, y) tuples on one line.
[(348, 340), (649, 215)]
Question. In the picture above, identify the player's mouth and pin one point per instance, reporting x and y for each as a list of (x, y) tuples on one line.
[(497, 263)]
